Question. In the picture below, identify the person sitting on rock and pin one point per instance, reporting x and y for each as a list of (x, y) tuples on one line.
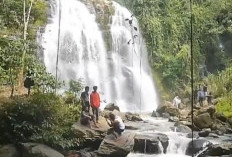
[(116, 124), (86, 118)]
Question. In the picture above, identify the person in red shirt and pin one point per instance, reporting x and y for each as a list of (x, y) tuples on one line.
[(95, 102)]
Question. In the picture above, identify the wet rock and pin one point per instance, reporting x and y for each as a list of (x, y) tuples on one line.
[(155, 114), (173, 119), (182, 128), (196, 146), (9, 151), (120, 147), (194, 135), (203, 120), (133, 117), (40, 150), (219, 149), (111, 107), (165, 115), (150, 143), (204, 133), (213, 135)]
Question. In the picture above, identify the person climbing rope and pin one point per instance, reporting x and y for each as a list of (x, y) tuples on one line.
[(95, 102)]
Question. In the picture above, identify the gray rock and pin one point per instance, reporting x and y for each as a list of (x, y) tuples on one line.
[(133, 117), (155, 114), (204, 133), (38, 150), (9, 151), (173, 119), (219, 149), (196, 146), (183, 129), (194, 135), (150, 142), (203, 120), (120, 147), (213, 135), (111, 107)]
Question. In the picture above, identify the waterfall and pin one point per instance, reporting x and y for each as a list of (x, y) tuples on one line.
[(122, 74)]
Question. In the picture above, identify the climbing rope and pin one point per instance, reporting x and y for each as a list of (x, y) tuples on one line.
[(191, 51), (58, 46)]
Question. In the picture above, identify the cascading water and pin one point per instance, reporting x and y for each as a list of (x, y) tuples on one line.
[(122, 74)]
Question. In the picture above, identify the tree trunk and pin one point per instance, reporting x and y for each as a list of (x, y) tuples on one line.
[(26, 19)]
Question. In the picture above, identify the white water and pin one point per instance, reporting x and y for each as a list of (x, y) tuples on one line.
[(122, 74), (177, 141)]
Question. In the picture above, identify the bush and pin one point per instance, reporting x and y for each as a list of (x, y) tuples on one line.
[(225, 105), (41, 118)]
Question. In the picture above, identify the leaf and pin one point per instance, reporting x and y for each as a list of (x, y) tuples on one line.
[(135, 28)]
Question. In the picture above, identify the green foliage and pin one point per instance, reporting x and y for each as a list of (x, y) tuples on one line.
[(166, 28), (41, 118), (225, 105), (75, 86)]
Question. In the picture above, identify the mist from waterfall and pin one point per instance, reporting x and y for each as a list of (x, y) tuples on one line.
[(122, 74)]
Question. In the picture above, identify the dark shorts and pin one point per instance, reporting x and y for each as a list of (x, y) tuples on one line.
[(119, 131), (84, 121)]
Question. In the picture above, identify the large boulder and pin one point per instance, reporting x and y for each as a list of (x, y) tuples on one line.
[(111, 107), (9, 151), (161, 108), (38, 150), (120, 147), (219, 149), (196, 146), (94, 135), (149, 143), (203, 120)]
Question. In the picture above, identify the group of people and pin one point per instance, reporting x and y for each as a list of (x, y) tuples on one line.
[(93, 101), (202, 94)]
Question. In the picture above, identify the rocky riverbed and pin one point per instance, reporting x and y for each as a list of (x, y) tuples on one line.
[(165, 132)]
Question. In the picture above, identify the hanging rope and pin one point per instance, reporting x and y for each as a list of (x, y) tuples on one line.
[(58, 46), (191, 49)]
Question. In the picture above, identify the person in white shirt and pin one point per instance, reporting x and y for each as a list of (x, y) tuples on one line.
[(116, 124), (176, 101)]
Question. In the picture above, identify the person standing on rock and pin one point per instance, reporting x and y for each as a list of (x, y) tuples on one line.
[(209, 98), (176, 102), (200, 97), (205, 90), (85, 99), (116, 124), (95, 102)]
